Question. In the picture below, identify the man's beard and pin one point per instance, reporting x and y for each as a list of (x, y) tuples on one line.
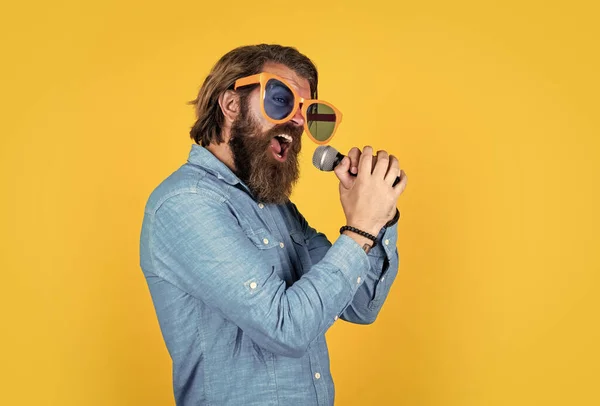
[(269, 180)]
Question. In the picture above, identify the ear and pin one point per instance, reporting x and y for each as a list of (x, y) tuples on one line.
[(229, 101)]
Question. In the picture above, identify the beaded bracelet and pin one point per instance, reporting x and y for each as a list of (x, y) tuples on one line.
[(360, 232)]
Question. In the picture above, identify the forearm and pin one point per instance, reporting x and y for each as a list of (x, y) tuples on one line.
[(383, 268), (369, 298)]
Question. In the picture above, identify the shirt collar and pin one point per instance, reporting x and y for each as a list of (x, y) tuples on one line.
[(203, 158)]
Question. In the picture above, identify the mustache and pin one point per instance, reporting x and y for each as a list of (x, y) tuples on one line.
[(290, 129)]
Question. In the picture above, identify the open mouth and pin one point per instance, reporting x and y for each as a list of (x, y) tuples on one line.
[(280, 145)]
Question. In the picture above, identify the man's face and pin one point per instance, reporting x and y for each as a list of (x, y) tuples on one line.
[(266, 155)]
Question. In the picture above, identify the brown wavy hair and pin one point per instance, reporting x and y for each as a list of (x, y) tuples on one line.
[(238, 63)]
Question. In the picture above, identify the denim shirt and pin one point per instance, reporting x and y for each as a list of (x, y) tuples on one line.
[(245, 291)]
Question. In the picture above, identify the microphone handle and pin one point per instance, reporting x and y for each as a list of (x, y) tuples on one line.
[(339, 157)]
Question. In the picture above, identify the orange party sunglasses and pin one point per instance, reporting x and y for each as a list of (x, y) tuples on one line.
[(279, 103)]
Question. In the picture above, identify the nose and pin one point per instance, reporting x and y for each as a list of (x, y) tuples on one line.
[(298, 118)]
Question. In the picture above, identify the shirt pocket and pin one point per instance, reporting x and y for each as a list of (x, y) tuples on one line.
[(301, 248), (267, 244), (262, 238)]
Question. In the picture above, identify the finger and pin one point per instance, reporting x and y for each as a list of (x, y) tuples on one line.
[(341, 171), (365, 161), (399, 188), (381, 166), (393, 170), (354, 155)]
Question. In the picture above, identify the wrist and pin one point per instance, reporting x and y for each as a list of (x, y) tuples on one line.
[(365, 243), (394, 219), (368, 227), (364, 239)]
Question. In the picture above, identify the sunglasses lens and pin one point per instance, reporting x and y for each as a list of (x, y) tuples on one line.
[(321, 121), (279, 100)]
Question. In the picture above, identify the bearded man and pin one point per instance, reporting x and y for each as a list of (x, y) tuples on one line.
[(244, 288)]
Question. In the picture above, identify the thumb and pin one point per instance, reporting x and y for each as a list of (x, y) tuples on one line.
[(341, 171)]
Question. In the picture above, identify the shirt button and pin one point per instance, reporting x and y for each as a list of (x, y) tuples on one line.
[(387, 242), (335, 318), (266, 241), (382, 279), (318, 375), (358, 280), (281, 245), (261, 206), (253, 285)]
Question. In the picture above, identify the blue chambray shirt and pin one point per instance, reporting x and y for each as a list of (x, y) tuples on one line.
[(244, 291)]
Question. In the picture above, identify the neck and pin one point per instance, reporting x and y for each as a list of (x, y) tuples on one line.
[(223, 153)]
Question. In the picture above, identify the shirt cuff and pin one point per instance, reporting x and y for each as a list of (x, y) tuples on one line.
[(386, 242)]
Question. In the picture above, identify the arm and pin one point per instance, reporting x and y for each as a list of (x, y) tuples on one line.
[(383, 268), (369, 298), (198, 246), (368, 194)]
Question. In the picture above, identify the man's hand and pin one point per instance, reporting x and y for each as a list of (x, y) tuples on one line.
[(369, 199)]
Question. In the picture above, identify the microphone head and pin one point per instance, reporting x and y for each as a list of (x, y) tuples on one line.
[(325, 157)]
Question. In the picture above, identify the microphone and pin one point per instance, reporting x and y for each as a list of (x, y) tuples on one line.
[(326, 158)]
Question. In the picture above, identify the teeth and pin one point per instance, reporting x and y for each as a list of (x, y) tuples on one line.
[(286, 137)]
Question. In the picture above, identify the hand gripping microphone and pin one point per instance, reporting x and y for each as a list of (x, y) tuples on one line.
[(326, 158)]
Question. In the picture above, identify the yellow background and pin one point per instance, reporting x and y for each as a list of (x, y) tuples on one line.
[(492, 108)]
